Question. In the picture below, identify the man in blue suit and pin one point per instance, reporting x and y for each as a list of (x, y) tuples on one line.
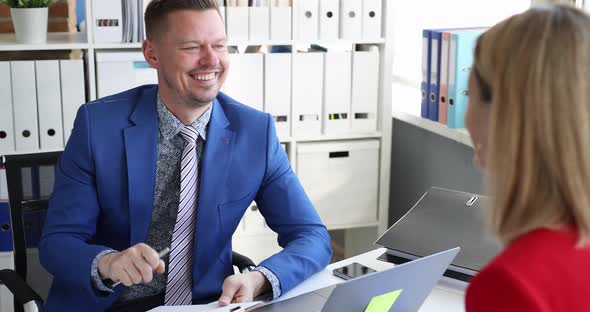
[(174, 165)]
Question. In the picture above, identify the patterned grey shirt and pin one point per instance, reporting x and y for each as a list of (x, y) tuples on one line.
[(166, 197)]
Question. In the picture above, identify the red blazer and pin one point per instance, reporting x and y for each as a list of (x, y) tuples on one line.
[(542, 270)]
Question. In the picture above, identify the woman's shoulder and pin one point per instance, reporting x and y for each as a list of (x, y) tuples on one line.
[(532, 266), (498, 288), (542, 255), (539, 248)]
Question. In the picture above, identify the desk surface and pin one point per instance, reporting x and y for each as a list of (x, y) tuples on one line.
[(447, 296)]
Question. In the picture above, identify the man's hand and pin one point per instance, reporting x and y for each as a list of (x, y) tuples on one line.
[(133, 265), (243, 287)]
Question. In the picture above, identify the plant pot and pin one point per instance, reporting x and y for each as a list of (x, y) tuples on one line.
[(30, 25)]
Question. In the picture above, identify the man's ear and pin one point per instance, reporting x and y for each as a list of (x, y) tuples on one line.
[(150, 53)]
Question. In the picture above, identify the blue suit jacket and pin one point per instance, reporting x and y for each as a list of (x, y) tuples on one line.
[(104, 194)]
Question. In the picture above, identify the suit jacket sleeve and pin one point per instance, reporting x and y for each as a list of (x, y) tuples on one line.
[(65, 249), (496, 288), (289, 212)]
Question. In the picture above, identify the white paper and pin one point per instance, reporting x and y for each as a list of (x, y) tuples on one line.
[(211, 307)]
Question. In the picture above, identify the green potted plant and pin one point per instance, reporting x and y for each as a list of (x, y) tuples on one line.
[(29, 18)]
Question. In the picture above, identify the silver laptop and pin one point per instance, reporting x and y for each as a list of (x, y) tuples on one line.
[(442, 219), (415, 279)]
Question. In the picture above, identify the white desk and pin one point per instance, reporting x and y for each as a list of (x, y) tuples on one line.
[(447, 296)]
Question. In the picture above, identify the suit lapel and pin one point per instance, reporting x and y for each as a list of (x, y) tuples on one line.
[(141, 148), (214, 169)]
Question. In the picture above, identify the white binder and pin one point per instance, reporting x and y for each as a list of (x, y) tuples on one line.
[(117, 71), (237, 23), (307, 20), (329, 19), (49, 105), (107, 21), (245, 81), (259, 23), (24, 104), (351, 19), (73, 94), (277, 91), (6, 122), (372, 19), (365, 90), (307, 94), (337, 93), (280, 23)]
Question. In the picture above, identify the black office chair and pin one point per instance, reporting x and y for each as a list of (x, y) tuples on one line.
[(30, 182)]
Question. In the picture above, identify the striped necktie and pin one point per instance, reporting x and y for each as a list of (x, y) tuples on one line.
[(179, 284)]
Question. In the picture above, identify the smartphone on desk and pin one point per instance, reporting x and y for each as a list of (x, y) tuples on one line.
[(352, 270)]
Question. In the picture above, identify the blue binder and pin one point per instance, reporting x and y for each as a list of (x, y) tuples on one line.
[(433, 90), (461, 60), (5, 228), (435, 68), (426, 49)]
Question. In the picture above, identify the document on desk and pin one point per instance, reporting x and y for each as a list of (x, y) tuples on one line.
[(211, 307)]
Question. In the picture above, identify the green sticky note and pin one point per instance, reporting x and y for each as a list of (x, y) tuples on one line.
[(383, 303)]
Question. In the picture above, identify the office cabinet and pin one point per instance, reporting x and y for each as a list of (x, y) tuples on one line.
[(341, 179)]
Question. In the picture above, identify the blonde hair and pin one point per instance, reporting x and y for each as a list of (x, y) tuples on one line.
[(535, 69)]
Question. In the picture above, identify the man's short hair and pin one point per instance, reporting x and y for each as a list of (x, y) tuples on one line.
[(157, 11)]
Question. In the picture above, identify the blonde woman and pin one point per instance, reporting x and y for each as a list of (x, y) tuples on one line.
[(529, 119)]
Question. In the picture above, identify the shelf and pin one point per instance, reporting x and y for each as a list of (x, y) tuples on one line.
[(29, 152), (339, 41), (115, 45), (458, 135), (339, 137), (137, 45), (258, 42), (305, 42), (55, 41)]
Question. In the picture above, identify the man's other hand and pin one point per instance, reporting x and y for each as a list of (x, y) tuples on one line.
[(243, 287)]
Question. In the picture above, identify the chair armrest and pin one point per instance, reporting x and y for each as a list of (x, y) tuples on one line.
[(22, 292), (242, 262)]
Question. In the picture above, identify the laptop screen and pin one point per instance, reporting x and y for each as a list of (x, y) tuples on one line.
[(440, 220)]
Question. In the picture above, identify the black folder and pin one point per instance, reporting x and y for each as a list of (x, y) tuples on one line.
[(443, 219)]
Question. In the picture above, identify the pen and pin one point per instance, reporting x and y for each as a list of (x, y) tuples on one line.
[(236, 308), (161, 255)]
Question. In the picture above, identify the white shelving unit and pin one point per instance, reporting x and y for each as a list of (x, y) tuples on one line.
[(55, 41), (84, 41), (460, 135)]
